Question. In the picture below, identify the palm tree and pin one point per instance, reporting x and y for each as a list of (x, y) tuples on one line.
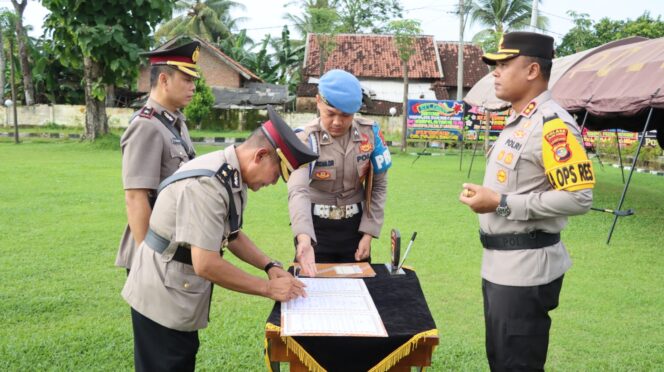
[(23, 52), (501, 16), (208, 19)]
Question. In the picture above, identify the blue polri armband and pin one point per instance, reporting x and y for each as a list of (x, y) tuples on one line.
[(380, 157)]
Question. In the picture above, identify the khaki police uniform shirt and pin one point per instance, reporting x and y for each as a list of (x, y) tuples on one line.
[(150, 153), (192, 211), (515, 168), (337, 178)]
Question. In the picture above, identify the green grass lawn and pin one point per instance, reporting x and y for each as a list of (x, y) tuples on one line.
[(60, 307)]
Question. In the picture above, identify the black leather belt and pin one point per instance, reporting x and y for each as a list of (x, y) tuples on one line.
[(159, 244), (510, 242)]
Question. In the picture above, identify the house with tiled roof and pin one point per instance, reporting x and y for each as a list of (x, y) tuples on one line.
[(374, 59), (233, 85), (473, 67), (218, 69)]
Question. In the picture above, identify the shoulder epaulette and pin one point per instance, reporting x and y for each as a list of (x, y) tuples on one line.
[(146, 112)]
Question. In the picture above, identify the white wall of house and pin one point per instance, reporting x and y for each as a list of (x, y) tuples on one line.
[(392, 90), (74, 116)]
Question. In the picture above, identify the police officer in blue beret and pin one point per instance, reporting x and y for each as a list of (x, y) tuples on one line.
[(336, 205)]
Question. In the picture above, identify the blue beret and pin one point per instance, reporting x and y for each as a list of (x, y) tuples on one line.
[(341, 90)]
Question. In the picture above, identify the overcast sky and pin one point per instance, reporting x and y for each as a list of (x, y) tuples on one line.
[(266, 16)]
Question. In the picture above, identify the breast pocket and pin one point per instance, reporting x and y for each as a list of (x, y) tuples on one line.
[(178, 155), (323, 178)]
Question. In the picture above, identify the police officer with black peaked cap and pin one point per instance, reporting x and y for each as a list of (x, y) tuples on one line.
[(337, 205), (157, 141), (537, 174), (199, 210)]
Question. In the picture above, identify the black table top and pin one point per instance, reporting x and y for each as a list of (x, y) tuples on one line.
[(403, 309)]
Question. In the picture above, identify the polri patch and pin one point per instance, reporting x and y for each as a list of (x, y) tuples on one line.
[(565, 161)]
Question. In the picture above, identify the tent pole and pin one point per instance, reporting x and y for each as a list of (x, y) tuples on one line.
[(631, 171), (622, 169), (463, 127), (477, 141)]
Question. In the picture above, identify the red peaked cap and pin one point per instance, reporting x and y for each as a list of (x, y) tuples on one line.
[(281, 136)]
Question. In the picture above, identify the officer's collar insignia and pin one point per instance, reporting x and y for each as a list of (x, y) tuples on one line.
[(235, 179), (529, 109), (168, 116), (356, 135), (146, 112), (325, 138)]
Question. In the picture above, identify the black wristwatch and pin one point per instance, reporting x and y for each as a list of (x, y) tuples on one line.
[(272, 264), (503, 210)]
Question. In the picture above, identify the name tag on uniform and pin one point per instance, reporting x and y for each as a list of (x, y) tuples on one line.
[(176, 141)]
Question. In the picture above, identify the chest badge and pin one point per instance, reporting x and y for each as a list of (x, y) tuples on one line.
[(322, 175), (501, 176), (365, 145)]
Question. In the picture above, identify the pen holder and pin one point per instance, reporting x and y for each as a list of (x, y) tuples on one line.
[(395, 254)]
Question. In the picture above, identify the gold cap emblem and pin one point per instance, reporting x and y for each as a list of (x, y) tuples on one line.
[(194, 56)]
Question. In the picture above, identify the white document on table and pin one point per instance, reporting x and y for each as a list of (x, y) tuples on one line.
[(333, 307)]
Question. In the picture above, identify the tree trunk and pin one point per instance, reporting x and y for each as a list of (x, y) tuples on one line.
[(96, 122), (21, 37), (110, 95), (405, 106), (3, 62)]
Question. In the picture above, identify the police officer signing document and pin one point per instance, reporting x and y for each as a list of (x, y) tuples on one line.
[(336, 206), (537, 175), (157, 142), (198, 211)]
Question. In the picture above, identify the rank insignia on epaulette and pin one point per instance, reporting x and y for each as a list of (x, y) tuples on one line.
[(530, 108), (146, 112), (519, 134), (501, 154), (508, 158), (168, 116)]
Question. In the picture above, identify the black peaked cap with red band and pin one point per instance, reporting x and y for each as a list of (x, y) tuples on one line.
[(281, 136), (183, 58)]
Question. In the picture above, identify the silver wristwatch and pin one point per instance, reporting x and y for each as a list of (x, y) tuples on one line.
[(503, 210)]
